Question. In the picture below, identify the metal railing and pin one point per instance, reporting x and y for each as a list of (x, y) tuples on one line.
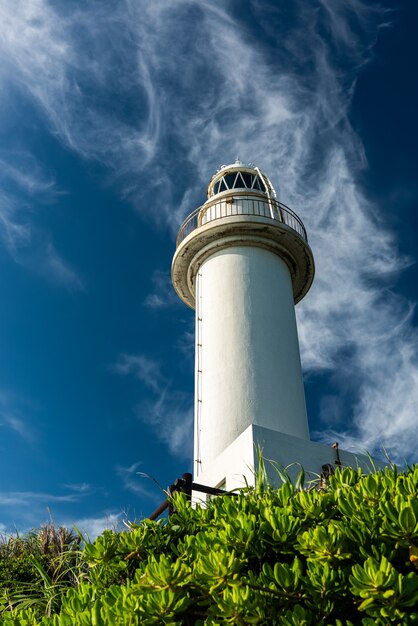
[(186, 485), (235, 205)]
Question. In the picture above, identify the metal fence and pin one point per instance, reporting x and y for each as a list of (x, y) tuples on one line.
[(186, 485), (231, 206)]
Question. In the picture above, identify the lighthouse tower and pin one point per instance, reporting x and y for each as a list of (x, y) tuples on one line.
[(242, 262)]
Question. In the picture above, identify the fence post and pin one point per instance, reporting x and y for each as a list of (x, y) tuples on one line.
[(187, 484), (172, 488)]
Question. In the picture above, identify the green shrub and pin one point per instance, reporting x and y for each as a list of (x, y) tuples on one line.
[(341, 556), (37, 569)]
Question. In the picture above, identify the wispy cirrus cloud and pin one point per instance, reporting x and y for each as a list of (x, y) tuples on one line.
[(137, 482), (92, 527), (168, 411), (16, 424), (50, 56), (81, 488), (25, 189), (288, 113), (170, 416), (27, 50), (29, 499), (163, 294), (13, 418), (145, 369), (30, 508)]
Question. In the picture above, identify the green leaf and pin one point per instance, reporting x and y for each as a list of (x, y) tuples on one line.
[(407, 520)]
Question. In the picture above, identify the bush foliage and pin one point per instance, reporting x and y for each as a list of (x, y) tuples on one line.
[(343, 555)]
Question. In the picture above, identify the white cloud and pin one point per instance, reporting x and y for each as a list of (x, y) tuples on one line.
[(51, 56), (29, 508), (28, 499), (163, 294), (186, 344), (27, 176), (145, 369), (82, 488), (139, 483), (170, 415), (16, 424), (169, 412), (57, 269), (24, 190), (11, 415), (92, 527)]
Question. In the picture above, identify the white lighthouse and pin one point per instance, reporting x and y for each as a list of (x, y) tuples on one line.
[(242, 262)]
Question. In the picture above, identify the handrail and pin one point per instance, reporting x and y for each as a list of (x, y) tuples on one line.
[(186, 485), (244, 204)]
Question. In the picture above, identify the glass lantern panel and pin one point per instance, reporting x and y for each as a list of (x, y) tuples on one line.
[(239, 183), (230, 179), (247, 178), (222, 186), (256, 184)]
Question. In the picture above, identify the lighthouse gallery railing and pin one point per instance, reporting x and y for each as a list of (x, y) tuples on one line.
[(236, 205)]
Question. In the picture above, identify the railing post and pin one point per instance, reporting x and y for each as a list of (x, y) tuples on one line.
[(172, 488), (187, 484), (159, 510), (337, 454)]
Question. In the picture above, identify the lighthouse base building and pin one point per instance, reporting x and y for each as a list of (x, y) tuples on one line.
[(242, 262), (236, 466)]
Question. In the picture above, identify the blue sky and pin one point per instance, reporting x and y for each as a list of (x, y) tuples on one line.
[(113, 117)]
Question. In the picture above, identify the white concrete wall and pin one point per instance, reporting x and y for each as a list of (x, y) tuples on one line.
[(236, 464), (247, 352)]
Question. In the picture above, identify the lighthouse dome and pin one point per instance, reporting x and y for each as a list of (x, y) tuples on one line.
[(238, 176)]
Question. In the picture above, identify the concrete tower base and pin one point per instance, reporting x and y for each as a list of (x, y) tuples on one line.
[(234, 467)]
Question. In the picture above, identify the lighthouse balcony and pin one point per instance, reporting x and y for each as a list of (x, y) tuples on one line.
[(242, 204)]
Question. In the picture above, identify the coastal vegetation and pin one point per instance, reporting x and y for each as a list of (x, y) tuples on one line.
[(340, 554)]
